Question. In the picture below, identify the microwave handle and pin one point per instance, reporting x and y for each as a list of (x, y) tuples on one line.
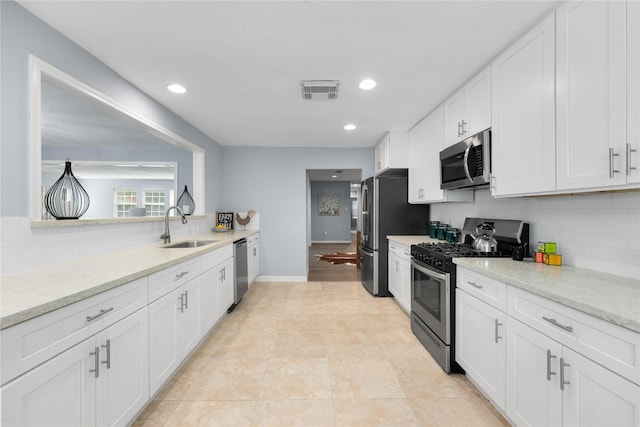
[(466, 162)]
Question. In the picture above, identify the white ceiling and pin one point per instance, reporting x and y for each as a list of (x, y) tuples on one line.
[(242, 61)]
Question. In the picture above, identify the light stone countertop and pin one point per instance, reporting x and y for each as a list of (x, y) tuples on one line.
[(31, 294), (606, 296)]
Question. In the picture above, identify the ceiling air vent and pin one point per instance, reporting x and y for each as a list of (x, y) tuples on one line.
[(319, 89)]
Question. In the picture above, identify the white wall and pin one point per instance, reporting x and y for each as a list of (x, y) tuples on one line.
[(595, 231)]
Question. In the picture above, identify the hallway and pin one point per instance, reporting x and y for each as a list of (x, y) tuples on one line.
[(323, 271)]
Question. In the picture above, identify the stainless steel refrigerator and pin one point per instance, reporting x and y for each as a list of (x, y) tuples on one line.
[(385, 212)]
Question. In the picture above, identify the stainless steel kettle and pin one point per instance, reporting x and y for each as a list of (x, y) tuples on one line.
[(484, 240)]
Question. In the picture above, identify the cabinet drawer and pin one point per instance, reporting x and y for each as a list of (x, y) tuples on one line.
[(213, 258), (31, 343), (165, 281), (613, 346), (486, 289), (400, 250), (253, 239)]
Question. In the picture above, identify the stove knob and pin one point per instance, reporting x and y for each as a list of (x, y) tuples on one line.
[(438, 263)]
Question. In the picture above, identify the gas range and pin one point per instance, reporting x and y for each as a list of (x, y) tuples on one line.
[(440, 255)]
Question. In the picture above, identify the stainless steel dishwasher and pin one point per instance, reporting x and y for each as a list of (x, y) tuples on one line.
[(241, 279)]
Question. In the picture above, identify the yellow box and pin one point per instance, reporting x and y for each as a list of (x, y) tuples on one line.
[(547, 247), (552, 259)]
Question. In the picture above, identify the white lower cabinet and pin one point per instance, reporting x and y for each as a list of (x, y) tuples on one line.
[(480, 345), (225, 285), (400, 274), (101, 381), (174, 330), (542, 363), (253, 259), (551, 385)]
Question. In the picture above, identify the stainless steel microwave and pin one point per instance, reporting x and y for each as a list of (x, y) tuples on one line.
[(467, 163)]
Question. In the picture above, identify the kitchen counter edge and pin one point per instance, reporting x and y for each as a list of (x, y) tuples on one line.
[(34, 293), (615, 299)]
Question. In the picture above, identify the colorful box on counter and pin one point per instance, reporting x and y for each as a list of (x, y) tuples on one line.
[(547, 247), (538, 257), (552, 259)]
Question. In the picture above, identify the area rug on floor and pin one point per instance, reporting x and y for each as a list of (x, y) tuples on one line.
[(338, 258)]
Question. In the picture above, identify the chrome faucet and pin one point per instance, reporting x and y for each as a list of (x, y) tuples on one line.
[(167, 236)]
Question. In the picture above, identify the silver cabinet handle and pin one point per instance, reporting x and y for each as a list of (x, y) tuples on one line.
[(254, 251), (102, 313), (179, 275), (463, 125), (474, 284), (181, 307), (612, 170), (108, 348), (562, 381), (497, 325), (492, 182), (629, 151), (549, 357), (186, 300), (559, 325), (96, 362)]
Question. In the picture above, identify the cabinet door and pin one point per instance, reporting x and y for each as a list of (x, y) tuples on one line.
[(523, 114), (189, 320), (60, 392), (209, 306), (395, 277), (591, 94), (381, 154), (434, 143), (633, 92), (123, 386), (595, 396), (477, 104), (164, 354), (225, 285), (405, 283), (480, 345), (534, 397), (417, 162), (453, 116), (254, 261)]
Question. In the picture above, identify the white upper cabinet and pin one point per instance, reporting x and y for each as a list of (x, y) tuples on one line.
[(633, 93), (468, 111), (523, 114), (591, 94), (392, 152), (426, 140)]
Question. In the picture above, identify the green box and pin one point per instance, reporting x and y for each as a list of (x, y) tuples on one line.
[(547, 247)]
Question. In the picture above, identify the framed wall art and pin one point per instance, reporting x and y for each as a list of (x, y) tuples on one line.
[(329, 204)]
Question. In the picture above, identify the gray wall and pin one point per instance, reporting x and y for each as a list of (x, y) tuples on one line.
[(331, 228), (21, 34), (273, 182)]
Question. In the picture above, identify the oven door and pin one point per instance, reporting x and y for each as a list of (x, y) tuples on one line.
[(431, 299)]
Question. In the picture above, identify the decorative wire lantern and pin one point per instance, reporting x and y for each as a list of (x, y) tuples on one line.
[(67, 199), (186, 203)]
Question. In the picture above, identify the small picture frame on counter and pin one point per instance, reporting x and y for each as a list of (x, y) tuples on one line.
[(225, 219)]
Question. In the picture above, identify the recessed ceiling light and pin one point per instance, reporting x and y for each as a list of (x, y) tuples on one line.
[(350, 126), (176, 88), (367, 84)]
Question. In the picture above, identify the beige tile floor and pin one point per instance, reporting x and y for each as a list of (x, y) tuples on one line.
[(315, 354)]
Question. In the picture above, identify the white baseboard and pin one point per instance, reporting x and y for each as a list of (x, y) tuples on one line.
[(281, 279), (331, 241)]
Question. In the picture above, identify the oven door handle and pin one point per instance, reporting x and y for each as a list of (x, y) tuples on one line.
[(426, 270)]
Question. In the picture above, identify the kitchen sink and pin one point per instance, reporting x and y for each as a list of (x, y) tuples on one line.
[(189, 244)]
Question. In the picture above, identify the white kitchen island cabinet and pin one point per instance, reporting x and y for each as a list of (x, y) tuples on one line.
[(523, 114), (101, 381)]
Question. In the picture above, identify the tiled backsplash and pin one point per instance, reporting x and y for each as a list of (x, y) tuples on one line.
[(596, 231), (24, 248)]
